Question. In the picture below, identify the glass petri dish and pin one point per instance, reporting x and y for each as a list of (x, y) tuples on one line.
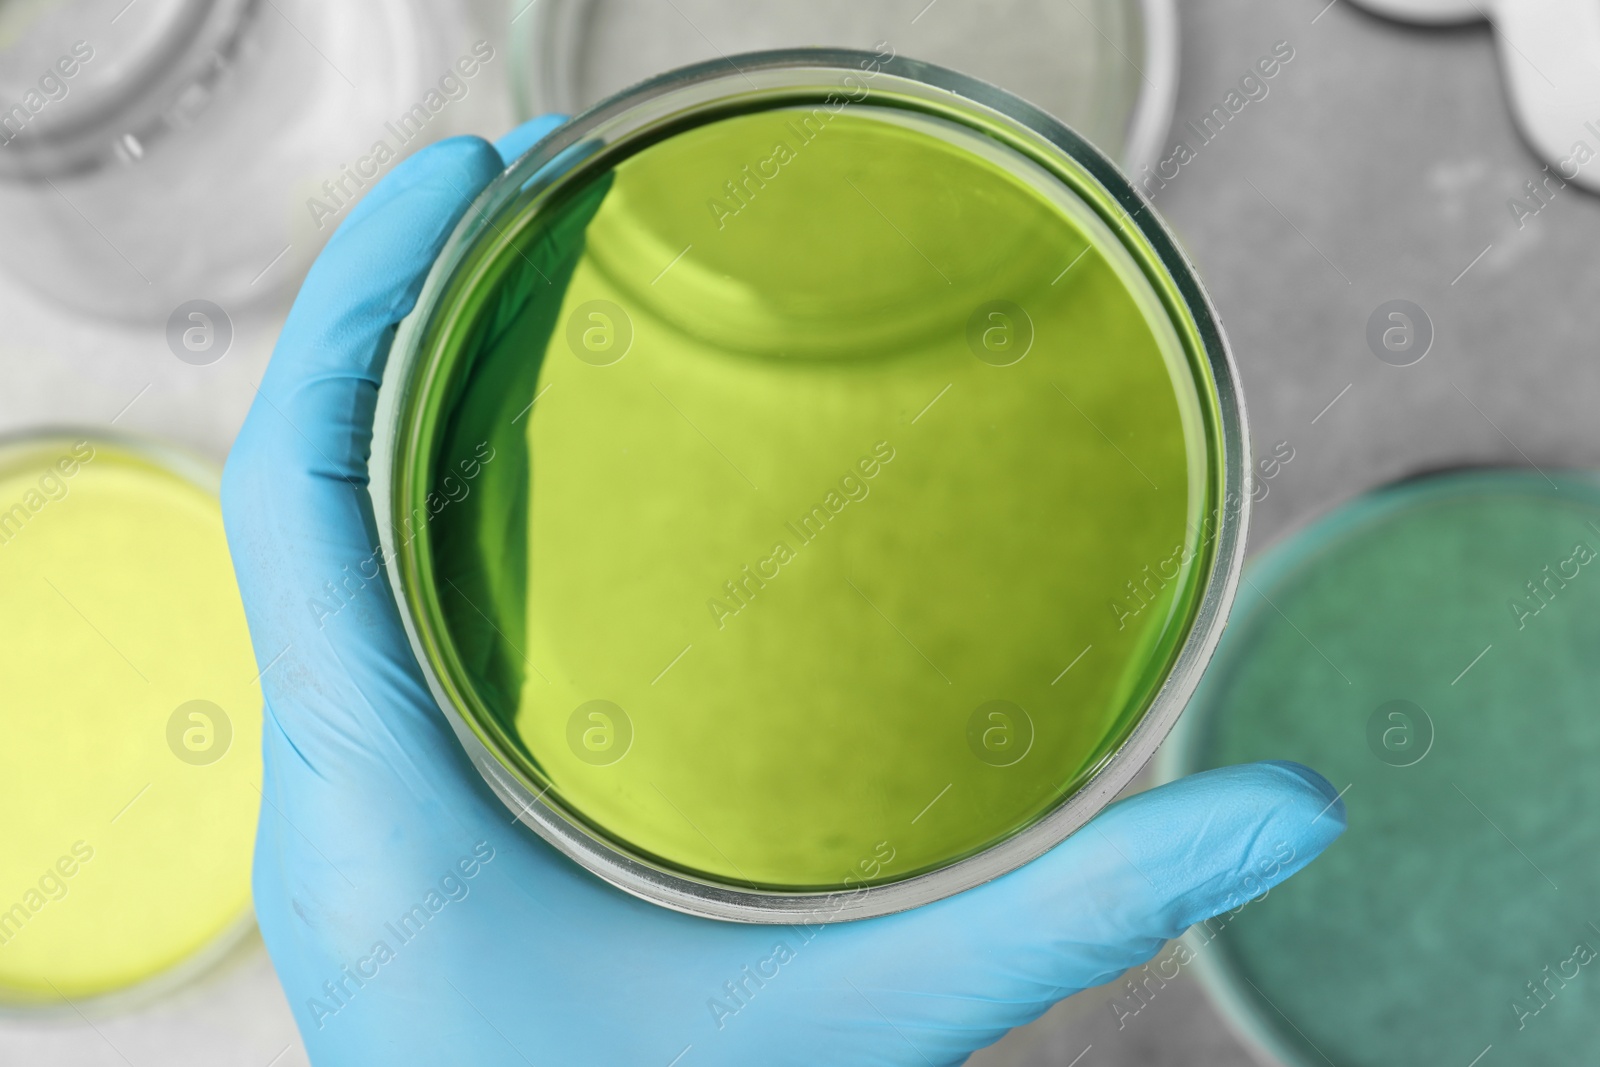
[(812, 487), (129, 776), (1430, 648), (124, 129), (67, 92), (1107, 68)]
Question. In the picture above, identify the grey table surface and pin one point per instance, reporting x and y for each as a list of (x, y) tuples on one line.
[(1378, 167)]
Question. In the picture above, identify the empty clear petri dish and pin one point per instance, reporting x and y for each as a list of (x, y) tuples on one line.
[(129, 778), (158, 152), (1107, 68), (812, 486), (1429, 647)]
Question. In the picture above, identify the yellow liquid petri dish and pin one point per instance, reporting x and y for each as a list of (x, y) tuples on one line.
[(129, 754)]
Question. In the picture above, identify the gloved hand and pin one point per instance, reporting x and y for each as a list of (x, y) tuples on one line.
[(412, 922)]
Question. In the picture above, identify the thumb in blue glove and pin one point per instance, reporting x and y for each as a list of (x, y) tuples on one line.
[(412, 921)]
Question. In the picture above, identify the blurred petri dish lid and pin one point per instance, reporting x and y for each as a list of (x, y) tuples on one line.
[(85, 82), (125, 196), (128, 780), (1429, 647), (1107, 68)]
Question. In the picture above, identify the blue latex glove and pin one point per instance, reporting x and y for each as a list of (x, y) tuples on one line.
[(412, 922)]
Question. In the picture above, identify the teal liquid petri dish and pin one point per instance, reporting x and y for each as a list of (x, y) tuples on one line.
[(813, 485), (1430, 648)]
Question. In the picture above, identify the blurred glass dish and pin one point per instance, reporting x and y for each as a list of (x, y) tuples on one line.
[(162, 151), (1107, 68)]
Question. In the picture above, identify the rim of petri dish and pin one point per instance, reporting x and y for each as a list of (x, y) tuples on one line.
[(1236, 999), (162, 81), (547, 70), (232, 937), (1176, 759), (652, 111)]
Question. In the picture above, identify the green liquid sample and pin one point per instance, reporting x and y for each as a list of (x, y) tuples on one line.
[(798, 501), (1404, 655)]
